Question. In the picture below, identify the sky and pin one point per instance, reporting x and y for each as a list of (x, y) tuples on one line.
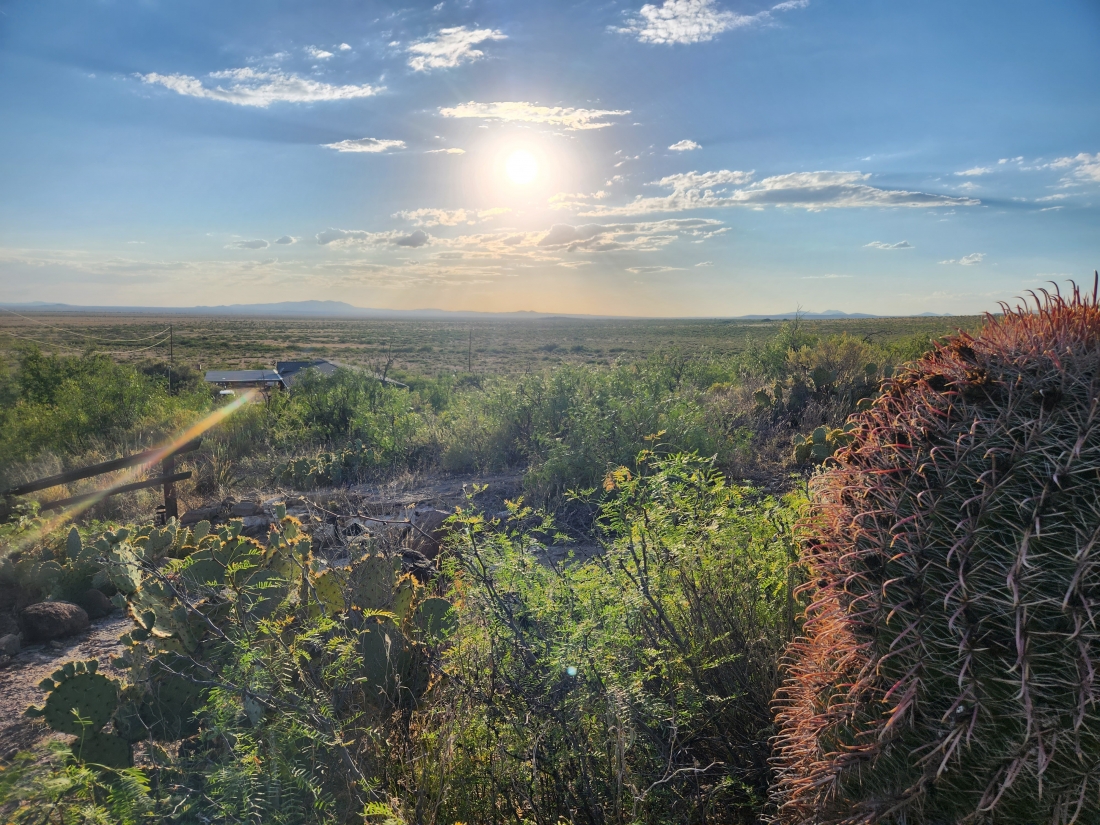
[(677, 158)]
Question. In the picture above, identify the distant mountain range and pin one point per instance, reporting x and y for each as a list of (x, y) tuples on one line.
[(341, 309)]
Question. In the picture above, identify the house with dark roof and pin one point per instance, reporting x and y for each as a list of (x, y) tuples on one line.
[(289, 371), (244, 379)]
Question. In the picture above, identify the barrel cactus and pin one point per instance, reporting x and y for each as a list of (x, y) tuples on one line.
[(950, 667)]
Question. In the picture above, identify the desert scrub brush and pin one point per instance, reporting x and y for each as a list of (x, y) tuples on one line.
[(948, 671)]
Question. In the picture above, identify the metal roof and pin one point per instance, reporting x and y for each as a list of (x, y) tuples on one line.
[(289, 369), (243, 377)]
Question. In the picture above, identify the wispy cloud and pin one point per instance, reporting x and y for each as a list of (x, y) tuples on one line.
[(372, 145), (646, 236), (806, 190), (829, 277), (882, 245), (450, 47), (645, 270), (975, 171), (450, 217), (318, 54), (705, 263), (1083, 166), (256, 244), (684, 146), (693, 21), (359, 237), (967, 260), (522, 112), (451, 151), (252, 87), (286, 240)]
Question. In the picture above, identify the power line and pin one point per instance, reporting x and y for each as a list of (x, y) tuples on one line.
[(79, 349), (84, 334)]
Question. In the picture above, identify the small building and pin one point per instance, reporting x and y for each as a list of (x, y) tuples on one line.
[(290, 370), (244, 379)]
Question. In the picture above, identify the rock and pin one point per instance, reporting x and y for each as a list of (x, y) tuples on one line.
[(255, 527), (95, 603), (10, 644), (418, 564), (199, 514), (428, 531), (8, 624), (53, 620), (243, 509)]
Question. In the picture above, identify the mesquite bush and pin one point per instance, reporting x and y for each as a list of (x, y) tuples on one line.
[(948, 671)]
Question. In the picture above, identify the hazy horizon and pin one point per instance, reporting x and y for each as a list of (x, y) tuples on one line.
[(688, 158)]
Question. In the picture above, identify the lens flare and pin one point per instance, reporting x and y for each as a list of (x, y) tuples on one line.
[(521, 167), (195, 430)]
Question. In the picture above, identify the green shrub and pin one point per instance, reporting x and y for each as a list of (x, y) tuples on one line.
[(631, 688)]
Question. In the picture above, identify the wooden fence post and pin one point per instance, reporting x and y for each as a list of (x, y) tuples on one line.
[(168, 468)]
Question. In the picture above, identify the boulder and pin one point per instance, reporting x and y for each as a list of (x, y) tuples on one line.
[(428, 531), (200, 514), (256, 527), (10, 644), (418, 564), (95, 603), (53, 620), (243, 509)]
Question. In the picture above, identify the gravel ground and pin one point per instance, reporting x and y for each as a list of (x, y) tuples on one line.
[(20, 676)]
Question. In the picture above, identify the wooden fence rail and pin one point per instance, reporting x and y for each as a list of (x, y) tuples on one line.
[(167, 479)]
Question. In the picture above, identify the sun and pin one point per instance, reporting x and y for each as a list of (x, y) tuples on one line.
[(521, 167)]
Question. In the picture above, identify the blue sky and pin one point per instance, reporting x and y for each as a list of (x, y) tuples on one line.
[(677, 158)]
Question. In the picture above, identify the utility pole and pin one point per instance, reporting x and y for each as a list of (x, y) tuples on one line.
[(470, 354), (171, 357)]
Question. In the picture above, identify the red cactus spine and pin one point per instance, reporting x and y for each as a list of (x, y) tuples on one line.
[(949, 667)]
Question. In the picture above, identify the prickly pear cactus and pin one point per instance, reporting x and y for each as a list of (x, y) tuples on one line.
[(948, 672), (79, 698), (81, 702), (822, 443), (372, 582)]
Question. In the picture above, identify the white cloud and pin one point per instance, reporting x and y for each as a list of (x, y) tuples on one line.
[(881, 245), (450, 47), (693, 21), (641, 270), (286, 240), (318, 54), (644, 237), (257, 244), (373, 145), (829, 277), (522, 112), (975, 171), (451, 151), (450, 217), (967, 260), (250, 87), (705, 263), (1056, 197), (359, 237), (344, 47), (684, 146), (1085, 167), (806, 190)]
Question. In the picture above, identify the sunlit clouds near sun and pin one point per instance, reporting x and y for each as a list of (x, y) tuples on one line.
[(643, 157)]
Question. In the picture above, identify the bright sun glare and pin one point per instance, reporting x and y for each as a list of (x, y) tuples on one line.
[(521, 167)]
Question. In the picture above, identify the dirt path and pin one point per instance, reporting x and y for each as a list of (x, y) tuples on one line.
[(20, 677)]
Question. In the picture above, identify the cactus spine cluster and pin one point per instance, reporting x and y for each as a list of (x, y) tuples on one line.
[(949, 668)]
